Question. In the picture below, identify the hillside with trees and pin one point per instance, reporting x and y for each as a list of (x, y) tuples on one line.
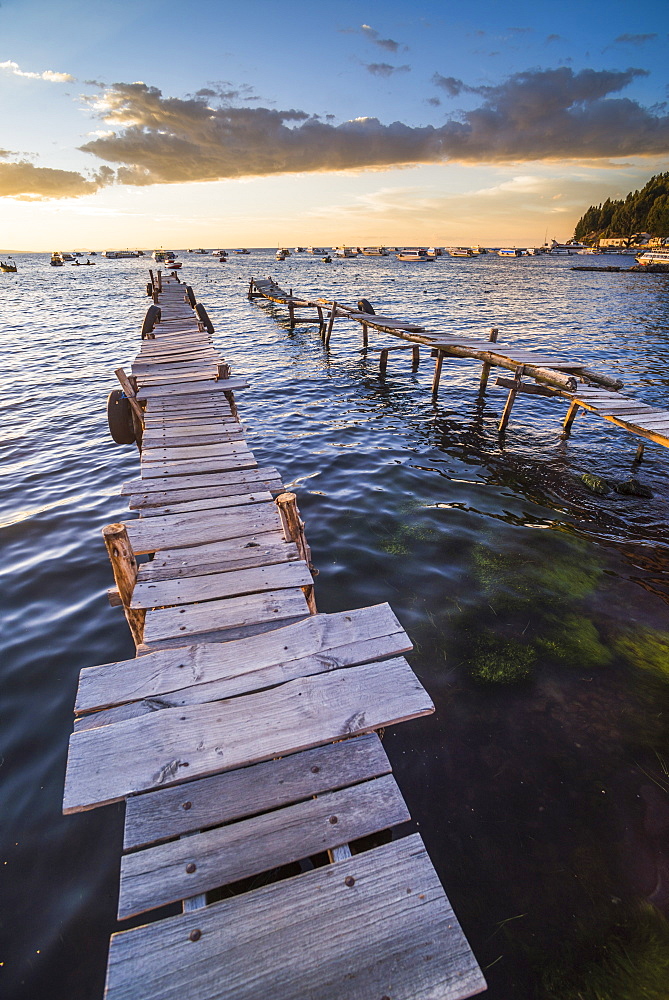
[(644, 211)]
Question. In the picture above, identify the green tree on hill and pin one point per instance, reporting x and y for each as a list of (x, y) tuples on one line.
[(644, 211)]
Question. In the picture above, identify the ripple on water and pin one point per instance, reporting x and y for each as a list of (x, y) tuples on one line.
[(532, 796)]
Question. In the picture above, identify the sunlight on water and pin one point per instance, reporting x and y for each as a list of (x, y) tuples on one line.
[(538, 609)]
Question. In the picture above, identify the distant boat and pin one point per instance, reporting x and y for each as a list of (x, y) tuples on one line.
[(315, 250), (478, 250), (240, 251), (460, 252), (173, 264), (345, 252), (434, 252), (280, 255), (56, 260), (8, 266), (416, 255), (509, 252), (116, 254), (374, 252), (327, 259)]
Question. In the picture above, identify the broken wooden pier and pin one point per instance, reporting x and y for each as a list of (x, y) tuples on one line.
[(536, 371), (243, 735)]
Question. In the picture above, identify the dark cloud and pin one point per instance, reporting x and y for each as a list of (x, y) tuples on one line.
[(434, 101), (535, 115), (385, 69), (25, 181), (634, 39), (450, 84), (554, 38)]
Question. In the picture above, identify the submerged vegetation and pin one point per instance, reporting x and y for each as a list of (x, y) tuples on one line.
[(647, 648), (630, 961)]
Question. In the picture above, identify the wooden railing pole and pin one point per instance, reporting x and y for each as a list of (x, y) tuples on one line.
[(510, 399), (124, 567), (128, 389), (485, 371), (293, 530)]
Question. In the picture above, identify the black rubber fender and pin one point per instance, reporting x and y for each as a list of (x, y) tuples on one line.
[(152, 317), (366, 307), (204, 318), (119, 417), (190, 295)]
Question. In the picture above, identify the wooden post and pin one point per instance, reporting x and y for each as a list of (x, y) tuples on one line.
[(159, 276), (222, 370), (230, 396), (437, 373), (291, 313), (510, 398), (321, 321), (364, 336), (293, 530), (415, 356), (485, 371), (639, 453), (153, 280), (569, 419), (124, 566), (128, 389), (328, 332), (383, 361)]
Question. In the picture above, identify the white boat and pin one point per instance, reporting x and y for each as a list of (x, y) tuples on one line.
[(374, 252), (460, 252), (589, 250), (56, 259), (564, 249), (658, 255), (345, 252), (315, 250), (478, 250), (240, 251), (162, 256), (280, 255), (509, 252), (116, 254), (416, 255), (434, 252)]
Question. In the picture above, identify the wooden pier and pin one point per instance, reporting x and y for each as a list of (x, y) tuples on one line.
[(551, 373), (243, 736)]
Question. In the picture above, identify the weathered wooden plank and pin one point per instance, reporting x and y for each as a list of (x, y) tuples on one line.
[(183, 530), (163, 814), (319, 643), (231, 384), (106, 764), (376, 925), (256, 680), (160, 875), (161, 454), (214, 616), (241, 553), (199, 466), (211, 503), (194, 589), (221, 480), (206, 435)]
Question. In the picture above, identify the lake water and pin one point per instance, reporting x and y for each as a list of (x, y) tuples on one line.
[(538, 610)]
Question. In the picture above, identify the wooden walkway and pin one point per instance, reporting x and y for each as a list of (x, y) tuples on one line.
[(242, 736), (553, 373)]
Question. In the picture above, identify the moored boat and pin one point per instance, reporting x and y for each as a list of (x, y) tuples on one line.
[(509, 252), (657, 255), (345, 252), (8, 266), (374, 252), (56, 260), (460, 251), (415, 255)]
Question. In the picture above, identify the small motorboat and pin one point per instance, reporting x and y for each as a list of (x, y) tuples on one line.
[(56, 260), (327, 259), (418, 255), (7, 266), (174, 265)]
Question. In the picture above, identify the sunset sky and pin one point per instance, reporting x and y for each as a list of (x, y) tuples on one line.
[(128, 123)]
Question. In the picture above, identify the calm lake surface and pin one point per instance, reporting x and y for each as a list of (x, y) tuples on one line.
[(538, 610)]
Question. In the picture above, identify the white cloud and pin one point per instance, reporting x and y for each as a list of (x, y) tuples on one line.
[(47, 74)]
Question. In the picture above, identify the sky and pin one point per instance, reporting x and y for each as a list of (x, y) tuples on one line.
[(128, 123)]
